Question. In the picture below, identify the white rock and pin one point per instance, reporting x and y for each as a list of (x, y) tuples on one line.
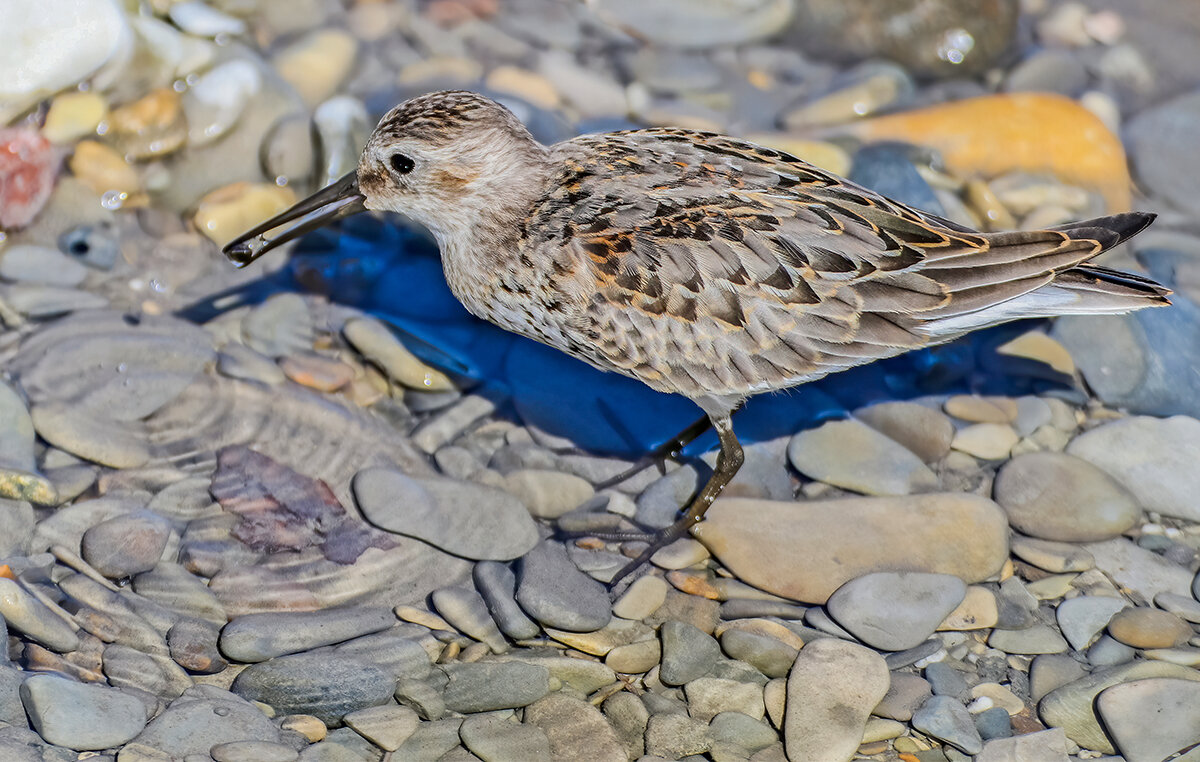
[(195, 17), (218, 98)]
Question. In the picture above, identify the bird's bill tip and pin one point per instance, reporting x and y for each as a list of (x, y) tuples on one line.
[(333, 202)]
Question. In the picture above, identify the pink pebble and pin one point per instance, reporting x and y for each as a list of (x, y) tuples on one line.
[(28, 166)]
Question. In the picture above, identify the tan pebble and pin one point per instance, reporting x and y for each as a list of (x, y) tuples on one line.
[(591, 543), (879, 729), (441, 69), (1000, 696), (827, 156), (1054, 557), (775, 698), (312, 728), (525, 84), (321, 373), (967, 407), (379, 345), (318, 63), (227, 212), (618, 632), (74, 115), (1049, 588), (680, 554), (1143, 627), (363, 392), (985, 204), (978, 611), (642, 598), (764, 627), (103, 169), (865, 97), (150, 126), (987, 441), (423, 618), (1184, 655), (693, 584), (1036, 345), (634, 658)]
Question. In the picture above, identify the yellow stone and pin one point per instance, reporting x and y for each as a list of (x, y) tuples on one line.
[(969, 407), (524, 84), (318, 63), (1036, 345), (1032, 132), (987, 441), (984, 203), (827, 156), (102, 169), (74, 115), (978, 611), (227, 212), (150, 126), (22, 485)]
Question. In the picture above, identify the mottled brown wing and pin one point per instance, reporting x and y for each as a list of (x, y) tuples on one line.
[(718, 267)]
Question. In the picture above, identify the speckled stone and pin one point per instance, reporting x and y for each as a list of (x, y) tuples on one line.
[(831, 690), (893, 611), (854, 456), (554, 592), (1055, 496), (1149, 628)]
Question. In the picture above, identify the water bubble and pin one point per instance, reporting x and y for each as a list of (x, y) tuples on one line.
[(955, 46), (113, 200)]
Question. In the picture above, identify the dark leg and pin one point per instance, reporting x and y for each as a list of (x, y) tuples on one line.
[(668, 450), (729, 460)]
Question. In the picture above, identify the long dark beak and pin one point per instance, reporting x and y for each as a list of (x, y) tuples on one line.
[(333, 202)]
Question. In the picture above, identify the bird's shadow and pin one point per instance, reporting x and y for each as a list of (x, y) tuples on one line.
[(394, 273)]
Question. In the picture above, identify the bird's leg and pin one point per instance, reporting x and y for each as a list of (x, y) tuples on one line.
[(729, 460), (668, 450)]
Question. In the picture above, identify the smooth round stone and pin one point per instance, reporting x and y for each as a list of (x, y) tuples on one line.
[(223, 214), (1054, 586), (497, 585), (618, 632), (854, 456), (893, 611), (767, 654), (16, 527), (317, 63), (253, 751), (193, 646), (74, 115), (1055, 496), (1001, 697), (29, 616), (463, 518), (491, 686), (1153, 458), (1051, 671), (555, 593), (946, 719), (492, 737), (831, 690), (709, 696), (868, 89), (258, 637), (628, 716), (1151, 719), (37, 301), (1055, 557), (1054, 71), (240, 361), (978, 611), (75, 430), (315, 684), (324, 374), (387, 726), (548, 494), (925, 432), (1182, 606), (217, 99), (993, 723), (202, 718), (805, 551), (1038, 639), (945, 680), (683, 24), (576, 729), (40, 264), (967, 407), (81, 716), (126, 545), (642, 598), (741, 731), (1108, 651), (1142, 627), (1082, 619), (379, 345), (634, 658), (905, 695), (986, 441), (1073, 706), (1165, 173), (181, 591), (467, 612), (687, 652)]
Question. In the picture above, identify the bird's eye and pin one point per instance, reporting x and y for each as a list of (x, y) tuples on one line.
[(401, 164)]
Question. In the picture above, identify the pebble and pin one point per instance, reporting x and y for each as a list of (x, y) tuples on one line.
[(30, 617), (945, 680), (430, 741), (202, 20), (806, 551), (769, 655), (227, 212), (628, 716), (986, 441), (258, 637), (642, 598), (1050, 671), (16, 527), (854, 456), (1151, 458), (40, 302), (387, 726), (497, 584), (204, 717), (79, 716), (467, 612), (40, 264), (555, 593), (1038, 639), (946, 719), (1151, 719), (217, 99), (1056, 496), (150, 126), (922, 430), (1055, 557), (1045, 746), (1108, 651), (490, 686), (1164, 174), (1084, 618), (240, 361), (905, 695), (1142, 627), (575, 729), (680, 24), (316, 372), (675, 736), (317, 63), (741, 731), (893, 611), (1000, 696), (379, 345), (181, 591), (978, 611), (454, 420), (547, 494), (193, 646), (253, 751), (687, 652), (498, 739), (618, 632), (831, 690), (126, 545), (1184, 607), (993, 723), (709, 696), (469, 520), (1072, 706), (313, 684)]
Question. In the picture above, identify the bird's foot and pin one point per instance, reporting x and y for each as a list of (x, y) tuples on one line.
[(658, 457), (654, 539)]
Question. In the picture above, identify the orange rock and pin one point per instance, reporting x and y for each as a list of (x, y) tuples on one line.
[(1031, 132)]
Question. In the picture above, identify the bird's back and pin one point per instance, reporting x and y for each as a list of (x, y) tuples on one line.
[(709, 266)]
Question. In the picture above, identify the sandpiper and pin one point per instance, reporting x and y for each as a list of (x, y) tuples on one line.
[(697, 263)]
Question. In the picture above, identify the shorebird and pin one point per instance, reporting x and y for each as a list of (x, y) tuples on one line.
[(697, 263)]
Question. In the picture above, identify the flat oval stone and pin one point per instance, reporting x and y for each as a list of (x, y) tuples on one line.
[(258, 637), (926, 432), (1055, 496), (576, 729), (554, 592), (1142, 627), (855, 456), (946, 719), (1082, 619), (831, 690), (1151, 719), (81, 716), (491, 686), (805, 551), (315, 684), (893, 611)]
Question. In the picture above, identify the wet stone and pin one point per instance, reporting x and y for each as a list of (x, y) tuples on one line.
[(1149, 628), (1050, 671), (1082, 619), (282, 325), (396, 650), (922, 430), (489, 686), (202, 718), (80, 433), (854, 456), (30, 617), (1107, 651), (79, 716), (767, 654), (709, 696), (1182, 606), (325, 688), (741, 731), (193, 646), (126, 545), (345, 745), (466, 610), (627, 714), (905, 695), (387, 726), (576, 729), (831, 690), (258, 637), (555, 593), (1052, 556), (1151, 719), (497, 583), (1055, 496), (687, 652), (492, 737), (180, 591), (895, 610), (547, 494), (380, 346), (993, 723), (40, 264), (16, 527), (946, 719), (1045, 746)]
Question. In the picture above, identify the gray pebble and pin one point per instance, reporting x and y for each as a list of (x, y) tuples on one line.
[(80, 716), (1151, 719), (946, 719), (1108, 651), (945, 680), (555, 593), (12, 710), (1038, 639), (193, 645), (673, 736), (387, 726), (447, 425), (628, 716), (893, 611), (395, 650), (16, 527), (1050, 671), (709, 696), (258, 637), (743, 731), (993, 723), (316, 685), (497, 583), (1082, 619), (40, 264), (281, 325), (852, 455), (912, 655), (1056, 496), (345, 745), (424, 696), (252, 751), (466, 611), (29, 616), (430, 741), (488, 686), (768, 655), (500, 739), (126, 545), (240, 361), (749, 608), (179, 590), (687, 652), (40, 302), (576, 729), (905, 695)]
